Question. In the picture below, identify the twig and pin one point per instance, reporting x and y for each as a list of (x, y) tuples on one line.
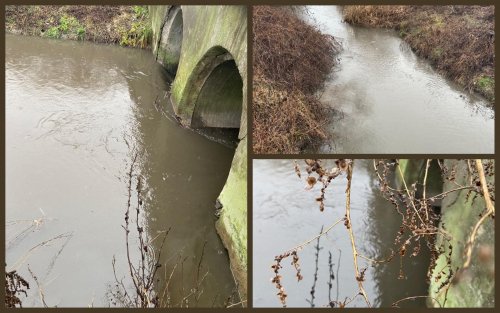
[(484, 186), (235, 304), (490, 212), (199, 263), (23, 259), (313, 288), (305, 243), (425, 182), (395, 304), (40, 290), (409, 195), (338, 267), (358, 277)]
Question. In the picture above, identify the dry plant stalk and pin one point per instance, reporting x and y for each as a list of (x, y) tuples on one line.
[(144, 274), (359, 275), (490, 212), (419, 222)]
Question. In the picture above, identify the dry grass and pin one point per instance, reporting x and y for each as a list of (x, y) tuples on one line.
[(291, 61), (98, 23), (457, 39), (284, 121)]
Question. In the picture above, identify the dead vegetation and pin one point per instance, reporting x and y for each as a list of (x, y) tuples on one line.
[(420, 228), (458, 39), (124, 25), (291, 61), (15, 286)]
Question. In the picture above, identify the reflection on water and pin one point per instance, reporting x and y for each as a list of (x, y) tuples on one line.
[(75, 112), (394, 102), (285, 215)]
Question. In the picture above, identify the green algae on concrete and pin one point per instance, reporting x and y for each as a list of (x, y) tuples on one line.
[(209, 33), (224, 28), (232, 224), (475, 287)]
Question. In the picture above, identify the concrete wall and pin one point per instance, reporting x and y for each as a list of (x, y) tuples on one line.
[(210, 90), (476, 288)]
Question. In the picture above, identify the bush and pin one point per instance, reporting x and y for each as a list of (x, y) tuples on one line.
[(291, 61)]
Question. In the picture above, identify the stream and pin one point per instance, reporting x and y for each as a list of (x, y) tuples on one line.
[(76, 112), (391, 101), (286, 215)]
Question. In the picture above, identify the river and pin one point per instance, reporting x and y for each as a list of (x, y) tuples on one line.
[(76, 112), (392, 101), (285, 215)]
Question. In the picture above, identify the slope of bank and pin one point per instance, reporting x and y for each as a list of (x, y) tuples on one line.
[(291, 61), (457, 39), (124, 25)]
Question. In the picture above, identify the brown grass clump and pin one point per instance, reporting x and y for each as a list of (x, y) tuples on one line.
[(457, 39), (291, 61), (284, 121)]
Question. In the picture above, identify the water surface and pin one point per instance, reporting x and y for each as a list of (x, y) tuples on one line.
[(76, 113), (392, 101), (285, 215)]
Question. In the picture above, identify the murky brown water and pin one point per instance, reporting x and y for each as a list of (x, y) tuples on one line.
[(74, 113), (285, 215), (394, 102)]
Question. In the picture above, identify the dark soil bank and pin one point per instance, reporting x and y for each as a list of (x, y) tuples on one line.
[(457, 39)]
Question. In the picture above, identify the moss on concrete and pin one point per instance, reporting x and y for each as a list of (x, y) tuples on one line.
[(157, 15), (224, 27), (232, 224), (459, 215)]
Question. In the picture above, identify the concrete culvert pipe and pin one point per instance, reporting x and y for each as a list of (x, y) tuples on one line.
[(219, 103), (171, 40)]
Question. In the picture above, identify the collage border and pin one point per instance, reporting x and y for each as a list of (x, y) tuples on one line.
[(251, 156)]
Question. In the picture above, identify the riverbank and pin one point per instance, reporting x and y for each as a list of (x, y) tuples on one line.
[(124, 25), (291, 62), (458, 40)]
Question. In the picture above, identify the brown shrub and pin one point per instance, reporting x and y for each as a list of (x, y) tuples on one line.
[(284, 121), (289, 51), (457, 39), (291, 61)]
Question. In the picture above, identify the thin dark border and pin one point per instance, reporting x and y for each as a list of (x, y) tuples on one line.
[(250, 155)]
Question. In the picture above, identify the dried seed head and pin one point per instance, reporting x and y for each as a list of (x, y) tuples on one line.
[(311, 181)]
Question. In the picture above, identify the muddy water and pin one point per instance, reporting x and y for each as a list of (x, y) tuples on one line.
[(285, 215), (391, 101), (75, 112)]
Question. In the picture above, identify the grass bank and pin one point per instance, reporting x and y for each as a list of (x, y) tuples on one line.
[(124, 25), (291, 61), (457, 39)]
